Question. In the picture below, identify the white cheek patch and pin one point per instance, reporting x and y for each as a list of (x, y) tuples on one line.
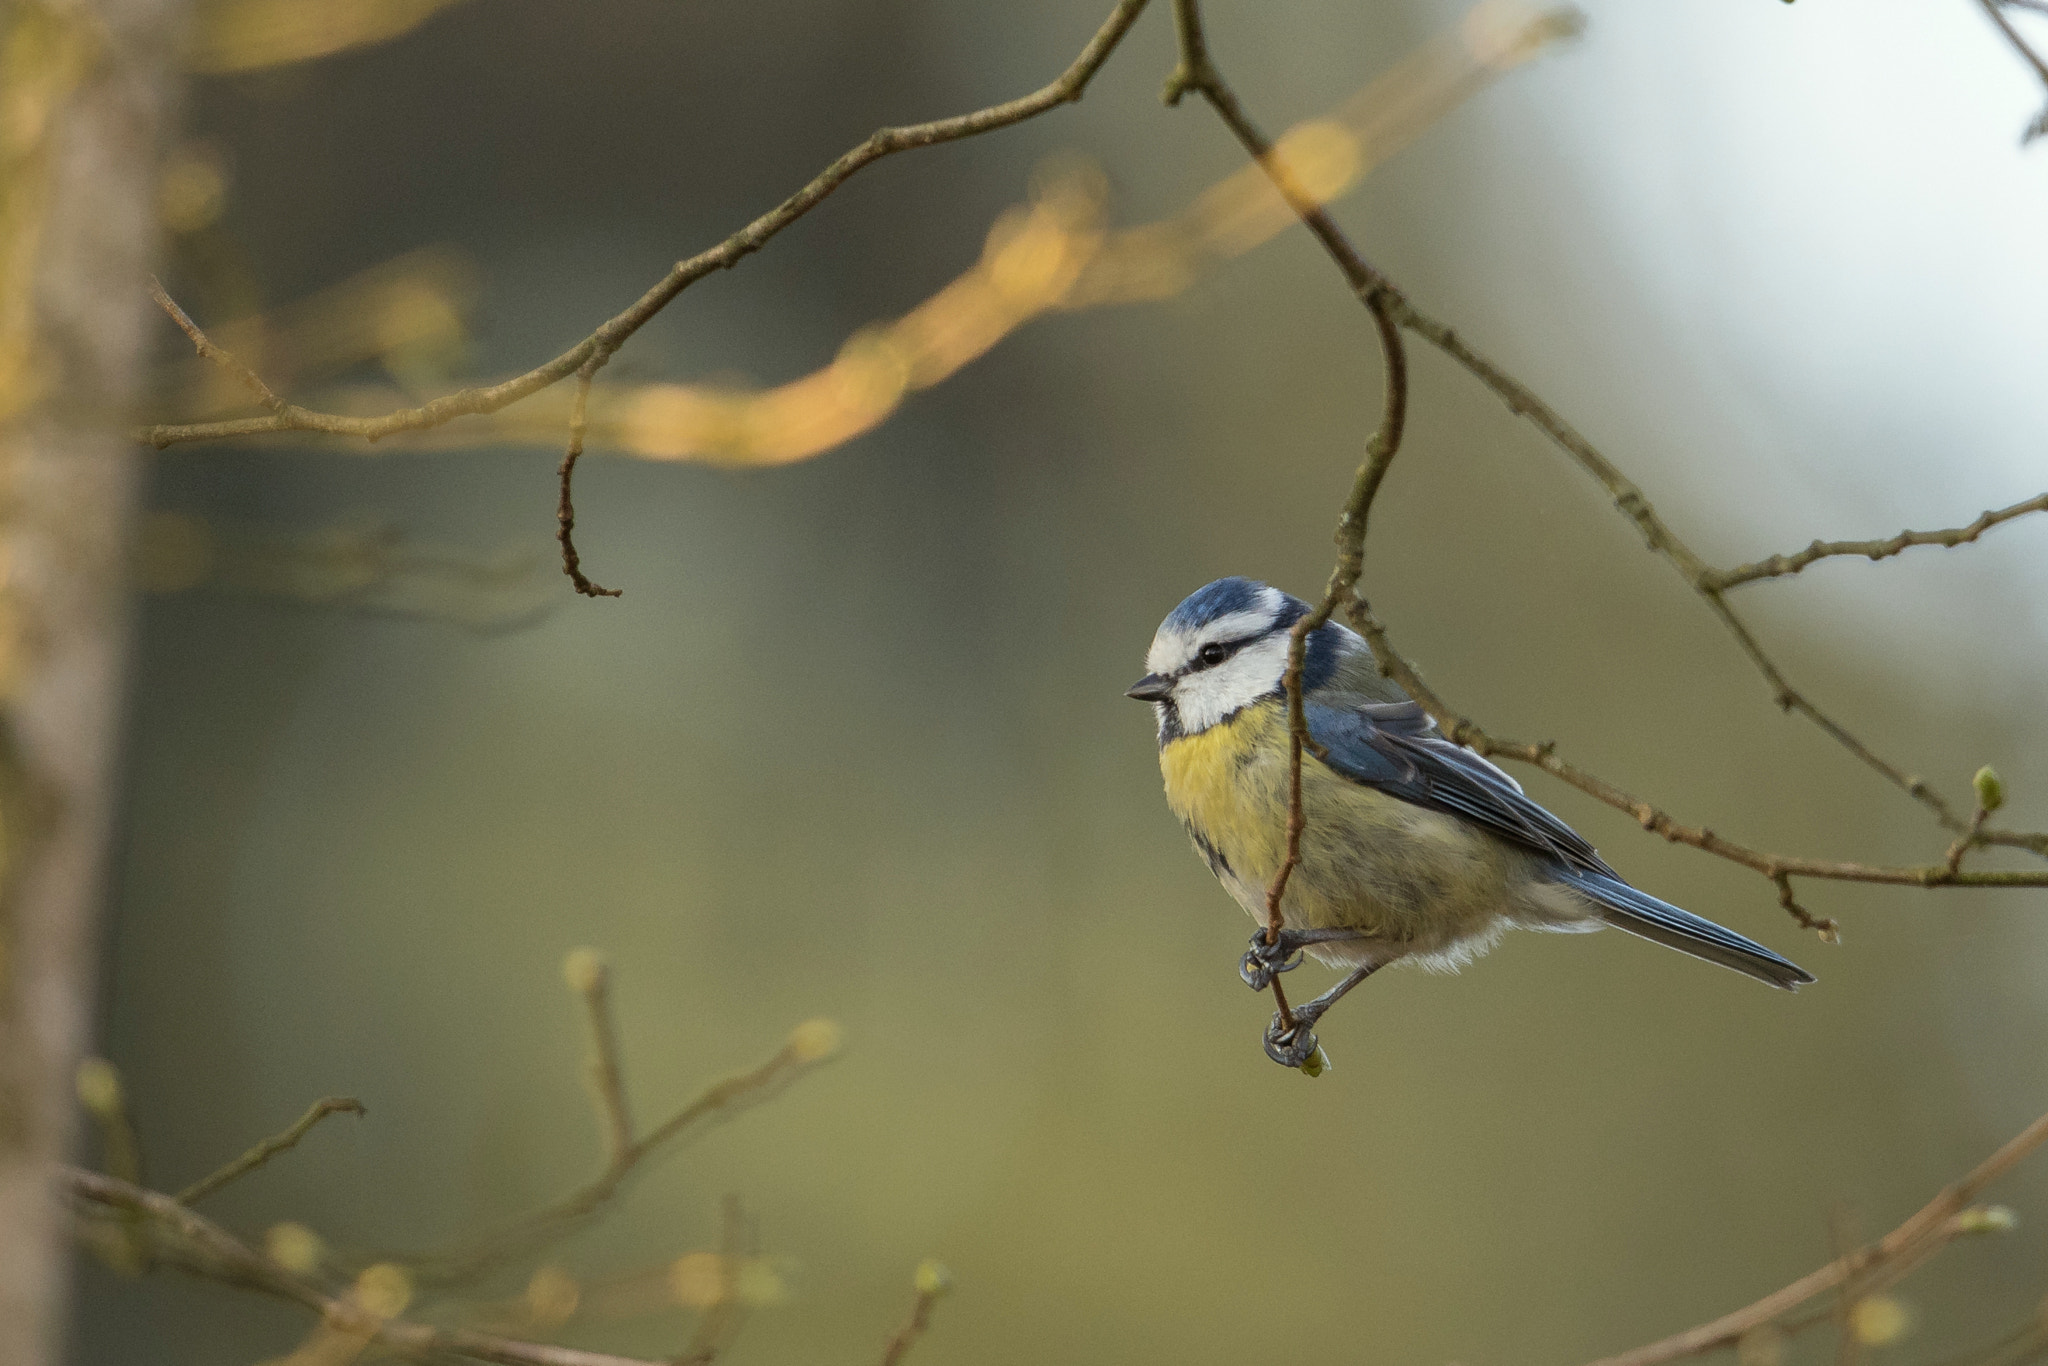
[(1207, 696)]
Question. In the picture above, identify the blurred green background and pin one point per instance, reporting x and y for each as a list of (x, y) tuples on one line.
[(853, 742)]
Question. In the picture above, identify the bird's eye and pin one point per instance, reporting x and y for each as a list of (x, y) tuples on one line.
[(1213, 654)]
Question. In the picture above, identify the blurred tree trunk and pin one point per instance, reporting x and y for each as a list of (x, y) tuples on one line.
[(84, 85)]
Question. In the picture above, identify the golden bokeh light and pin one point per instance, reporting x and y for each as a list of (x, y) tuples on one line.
[(248, 35), (1055, 254), (552, 1297), (698, 1279), (384, 1289), (294, 1247), (1052, 254)]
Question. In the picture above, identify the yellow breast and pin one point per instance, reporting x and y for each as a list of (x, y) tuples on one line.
[(1369, 861), (1228, 784)]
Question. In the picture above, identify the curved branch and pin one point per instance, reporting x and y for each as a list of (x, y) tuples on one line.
[(1702, 577), (600, 345), (1864, 1271), (1197, 72), (1392, 312)]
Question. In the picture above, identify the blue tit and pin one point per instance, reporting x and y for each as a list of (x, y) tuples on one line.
[(1414, 849)]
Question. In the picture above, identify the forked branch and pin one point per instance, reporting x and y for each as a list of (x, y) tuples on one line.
[(601, 344), (1393, 312)]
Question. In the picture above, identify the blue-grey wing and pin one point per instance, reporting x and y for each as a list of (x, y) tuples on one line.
[(1397, 749)]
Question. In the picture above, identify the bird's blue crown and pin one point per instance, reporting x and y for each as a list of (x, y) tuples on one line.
[(1226, 596)]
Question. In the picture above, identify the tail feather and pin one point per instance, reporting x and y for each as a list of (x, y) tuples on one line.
[(1625, 908)]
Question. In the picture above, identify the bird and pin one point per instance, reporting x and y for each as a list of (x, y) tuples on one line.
[(1414, 849)]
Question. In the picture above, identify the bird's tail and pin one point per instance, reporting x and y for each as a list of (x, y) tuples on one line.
[(1625, 908)]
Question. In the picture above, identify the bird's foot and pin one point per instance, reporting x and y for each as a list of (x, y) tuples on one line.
[(1262, 962), (1291, 1039)]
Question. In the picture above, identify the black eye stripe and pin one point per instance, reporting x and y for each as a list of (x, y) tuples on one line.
[(1229, 648)]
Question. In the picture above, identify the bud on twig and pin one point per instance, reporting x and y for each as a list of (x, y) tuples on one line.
[(932, 1279), (583, 970)]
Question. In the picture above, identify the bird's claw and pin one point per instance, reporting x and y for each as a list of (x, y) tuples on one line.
[(1262, 962), (1290, 1043)]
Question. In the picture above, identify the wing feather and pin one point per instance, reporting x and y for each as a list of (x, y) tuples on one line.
[(1396, 748)]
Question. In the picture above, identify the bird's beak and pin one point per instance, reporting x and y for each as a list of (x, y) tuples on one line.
[(1151, 688)]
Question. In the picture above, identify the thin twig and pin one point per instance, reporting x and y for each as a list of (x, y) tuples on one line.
[(1721, 580), (1196, 71), (2034, 841), (1388, 301), (608, 338), (1995, 9), (1965, 841), (198, 1245), (1938, 1223), (270, 1147), (105, 1097), (1632, 503), (1544, 756), (565, 507), (905, 1337), (1392, 312), (721, 1320), (209, 351), (607, 1077), (1821, 925), (1790, 699), (719, 1101)]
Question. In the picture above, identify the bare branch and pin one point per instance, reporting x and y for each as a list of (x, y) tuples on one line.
[(723, 1317), (803, 1052), (1964, 842), (200, 1246), (209, 351), (1826, 928), (1943, 1219), (270, 1147), (932, 1283), (565, 507), (1995, 8), (1632, 503), (1659, 537), (1721, 580), (601, 344), (1197, 72), (1391, 310), (591, 978), (1544, 756), (1789, 698)]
